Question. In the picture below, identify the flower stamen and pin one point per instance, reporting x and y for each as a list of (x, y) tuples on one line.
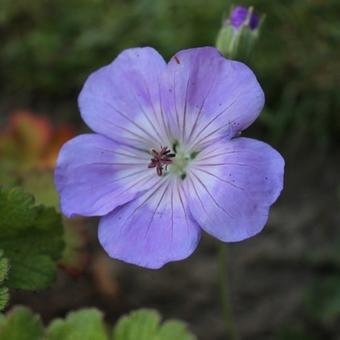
[(161, 159)]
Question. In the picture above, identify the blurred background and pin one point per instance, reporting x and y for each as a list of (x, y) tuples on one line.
[(286, 281)]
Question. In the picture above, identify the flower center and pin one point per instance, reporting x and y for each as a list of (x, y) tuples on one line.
[(178, 160), (180, 164), (161, 159)]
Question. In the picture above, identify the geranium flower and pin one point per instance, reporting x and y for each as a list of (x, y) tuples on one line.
[(166, 160)]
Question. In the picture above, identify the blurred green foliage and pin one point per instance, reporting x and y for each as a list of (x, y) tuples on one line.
[(87, 324), (323, 301), (31, 238), (49, 47), (298, 61), (21, 324), (144, 324), (297, 333), (320, 312), (4, 296)]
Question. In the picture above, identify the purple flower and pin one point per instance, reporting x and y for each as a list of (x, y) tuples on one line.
[(239, 16), (165, 160)]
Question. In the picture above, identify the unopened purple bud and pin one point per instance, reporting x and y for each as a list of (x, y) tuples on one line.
[(239, 16), (239, 33)]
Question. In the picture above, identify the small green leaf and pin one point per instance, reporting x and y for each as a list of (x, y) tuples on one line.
[(31, 273), (21, 324), (16, 207), (3, 267), (144, 324), (4, 295), (31, 238), (86, 324), (174, 329), (141, 324)]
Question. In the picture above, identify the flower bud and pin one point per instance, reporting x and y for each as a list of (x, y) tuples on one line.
[(239, 33)]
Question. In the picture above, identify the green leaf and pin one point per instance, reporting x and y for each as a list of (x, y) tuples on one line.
[(141, 324), (144, 324), (86, 324), (21, 324), (31, 238), (4, 295), (16, 207), (174, 329), (3, 267), (31, 273)]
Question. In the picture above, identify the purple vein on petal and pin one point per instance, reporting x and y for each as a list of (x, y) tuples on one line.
[(172, 216), (197, 194), (198, 115), (124, 116), (212, 133), (219, 178), (149, 196), (226, 163), (216, 155), (159, 137), (139, 206), (185, 108), (183, 207), (213, 119), (128, 155), (175, 104), (139, 137), (156, 208), (211, 196), (152, 105), (165, 122), (144, 180)]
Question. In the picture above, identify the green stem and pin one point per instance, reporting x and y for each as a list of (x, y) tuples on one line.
[(225, 294)]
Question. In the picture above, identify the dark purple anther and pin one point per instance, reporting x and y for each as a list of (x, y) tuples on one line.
[(161, 159), (239, 15)]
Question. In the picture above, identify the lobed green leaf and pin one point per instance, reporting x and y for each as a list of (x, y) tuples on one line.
[(3, 267), (21, 324), (144, 324), (4, 295), (174, 329), (31, 237), (86, 324)]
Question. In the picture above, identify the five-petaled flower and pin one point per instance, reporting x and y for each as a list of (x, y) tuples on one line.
[(166, 159)]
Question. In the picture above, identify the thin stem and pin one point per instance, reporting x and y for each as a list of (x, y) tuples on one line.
[(225, 294)]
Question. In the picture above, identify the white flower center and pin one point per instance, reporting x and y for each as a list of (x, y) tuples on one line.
[(182, 160), (175, 161)]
